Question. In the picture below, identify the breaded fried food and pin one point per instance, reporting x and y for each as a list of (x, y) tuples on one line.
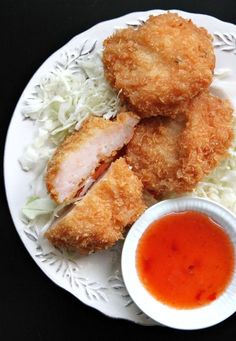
[(99, 219), (172, 156), (82, 152), (160, 65), (153, 153)]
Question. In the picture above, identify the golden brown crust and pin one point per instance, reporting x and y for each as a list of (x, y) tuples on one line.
[(172, 156), (74, 142), (206, 139), (71, 142), (98, 221), (160, 65)]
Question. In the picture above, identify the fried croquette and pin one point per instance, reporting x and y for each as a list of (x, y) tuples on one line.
[(160, 65), (82, 152), (98, 220), (172, 156)]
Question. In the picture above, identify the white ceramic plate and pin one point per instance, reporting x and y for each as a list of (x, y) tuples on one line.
[(188, 319), (96, 279)]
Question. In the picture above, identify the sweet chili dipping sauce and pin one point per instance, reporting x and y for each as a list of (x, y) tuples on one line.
[(185, 259)]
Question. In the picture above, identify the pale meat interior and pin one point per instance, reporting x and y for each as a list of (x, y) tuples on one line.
[(85, 156)]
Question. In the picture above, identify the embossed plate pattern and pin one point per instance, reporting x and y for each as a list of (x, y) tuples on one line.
[(95, 279)]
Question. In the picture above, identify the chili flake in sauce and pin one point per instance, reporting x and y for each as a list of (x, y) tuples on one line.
[(185, 259)]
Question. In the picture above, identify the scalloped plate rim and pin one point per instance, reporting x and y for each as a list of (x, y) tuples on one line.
[(13, 118)]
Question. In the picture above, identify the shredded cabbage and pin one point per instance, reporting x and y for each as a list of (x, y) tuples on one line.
[(222, 73), (220, 184), (60, 104), (37, 206)]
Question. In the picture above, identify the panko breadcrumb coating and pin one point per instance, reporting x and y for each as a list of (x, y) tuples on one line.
[(83, 151), (158, 66), (172, 156), (99, 219)]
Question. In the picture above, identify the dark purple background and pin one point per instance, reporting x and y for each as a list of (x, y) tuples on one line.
[(31, 306)]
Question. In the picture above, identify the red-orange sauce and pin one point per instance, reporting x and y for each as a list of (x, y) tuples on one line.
[(100, 170), (185, 259)]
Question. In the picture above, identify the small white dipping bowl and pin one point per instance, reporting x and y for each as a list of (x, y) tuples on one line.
[(195, 318)]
